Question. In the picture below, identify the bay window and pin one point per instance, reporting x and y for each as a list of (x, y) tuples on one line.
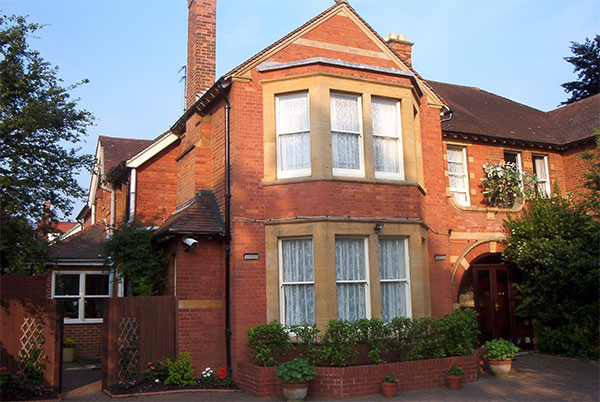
[(352, 278), (82, 294), (458, 175), (346, 135), (394, 278), (293, 135), (387, 138), (296, 277)]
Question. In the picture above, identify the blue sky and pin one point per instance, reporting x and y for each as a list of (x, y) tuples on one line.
[(131, 50)]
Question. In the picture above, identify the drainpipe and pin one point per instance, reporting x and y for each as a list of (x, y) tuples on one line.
[(221, 87)]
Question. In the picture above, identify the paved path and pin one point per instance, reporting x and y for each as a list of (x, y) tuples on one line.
[(533, 378)]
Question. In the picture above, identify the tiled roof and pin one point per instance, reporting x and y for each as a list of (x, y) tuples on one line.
[(62, 226), (479, 112), (117, 150), (197, 216), (85, 245), (575, 122)]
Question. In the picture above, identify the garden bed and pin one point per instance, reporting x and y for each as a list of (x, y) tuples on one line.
[(356, 381), (146, 388)]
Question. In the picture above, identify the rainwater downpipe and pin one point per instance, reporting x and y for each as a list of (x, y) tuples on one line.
[(132, 185), (227, 229)]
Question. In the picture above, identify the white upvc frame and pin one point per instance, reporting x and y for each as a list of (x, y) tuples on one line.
[(465, 175), (360, 172), (406, 280), (366, 281), (82, 296), (546, 181), (398, 137), (286, 174), (282, 283), (519, 164)]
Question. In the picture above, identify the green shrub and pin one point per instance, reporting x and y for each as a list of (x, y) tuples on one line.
[(156, 370), (504, 183), (307, 341), (69, 343), (339, 341), (297, 370), (264, 340), (426, 339), (500, 349), (455, 369), (460, 333), (374, 333), (400, 341), (181, 372)]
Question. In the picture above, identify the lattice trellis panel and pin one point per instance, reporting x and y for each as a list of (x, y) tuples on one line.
[(32, 340), (128, 348)]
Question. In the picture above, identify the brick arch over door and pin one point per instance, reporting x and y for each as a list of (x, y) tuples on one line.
[(469, 254)]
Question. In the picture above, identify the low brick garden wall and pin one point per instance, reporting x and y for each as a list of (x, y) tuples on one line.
[(355, 381)]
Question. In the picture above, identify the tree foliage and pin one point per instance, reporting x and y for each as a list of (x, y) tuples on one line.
[(556, 246), (131, 254), (586, 63), (39, 125)]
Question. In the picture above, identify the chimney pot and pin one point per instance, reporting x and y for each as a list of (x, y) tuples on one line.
[(401, 46)]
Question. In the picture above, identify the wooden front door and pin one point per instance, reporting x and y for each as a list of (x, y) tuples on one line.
[(493, 301)]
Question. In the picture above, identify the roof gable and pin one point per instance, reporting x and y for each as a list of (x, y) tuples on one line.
[(337, 33)]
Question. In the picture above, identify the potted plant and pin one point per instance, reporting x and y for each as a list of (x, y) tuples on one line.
[(389, 385), (455, 373), (69, 350), (295, 376), (499, 354)]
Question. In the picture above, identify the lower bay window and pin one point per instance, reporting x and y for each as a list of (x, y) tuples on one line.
[(82, 294), (333, 270)]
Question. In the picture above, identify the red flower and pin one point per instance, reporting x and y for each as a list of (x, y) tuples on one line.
[(152, 367)]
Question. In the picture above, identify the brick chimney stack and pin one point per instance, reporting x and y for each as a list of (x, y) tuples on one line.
[(201, 57), (401, 46)]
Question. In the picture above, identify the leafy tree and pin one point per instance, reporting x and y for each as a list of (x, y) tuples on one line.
[(586, 62), (591, 197), (131, 254), (557, 248), (39, 124)]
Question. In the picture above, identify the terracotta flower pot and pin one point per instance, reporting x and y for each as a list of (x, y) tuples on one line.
[(389, 389), (295, 391), (454, 381), (500, 368)]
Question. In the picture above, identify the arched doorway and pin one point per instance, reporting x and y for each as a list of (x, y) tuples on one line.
[(487, 286)]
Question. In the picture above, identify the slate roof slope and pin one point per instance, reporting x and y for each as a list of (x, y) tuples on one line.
[(117, 149), (575, 122), (197, 216), (482, 113), (85, 245)]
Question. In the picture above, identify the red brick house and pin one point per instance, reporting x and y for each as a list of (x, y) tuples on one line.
[(324, 178)]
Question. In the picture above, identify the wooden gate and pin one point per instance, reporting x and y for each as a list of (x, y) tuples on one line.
[(137, 330), (28, 325)]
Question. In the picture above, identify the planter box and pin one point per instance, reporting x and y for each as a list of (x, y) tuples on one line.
[(355, 381), (69, 355)]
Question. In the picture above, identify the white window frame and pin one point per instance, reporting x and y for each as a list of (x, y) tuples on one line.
[(396, 136), (82, 296), (406, 280), (366, 281), (360, 172), (465, 175), (519, 164), (546, 181), (282, 284), (291, 173)]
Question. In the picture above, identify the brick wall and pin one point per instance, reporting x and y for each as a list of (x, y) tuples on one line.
[(156, 188), (24, 286), (574, 167), (88, 338), (357, 381)]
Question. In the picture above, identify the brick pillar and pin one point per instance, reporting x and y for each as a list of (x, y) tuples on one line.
[(401, 46), (202, 24)]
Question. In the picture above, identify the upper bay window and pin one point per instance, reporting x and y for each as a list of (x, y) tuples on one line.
[(458, 175), (387, 138), (293, 135), (347, 135)]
